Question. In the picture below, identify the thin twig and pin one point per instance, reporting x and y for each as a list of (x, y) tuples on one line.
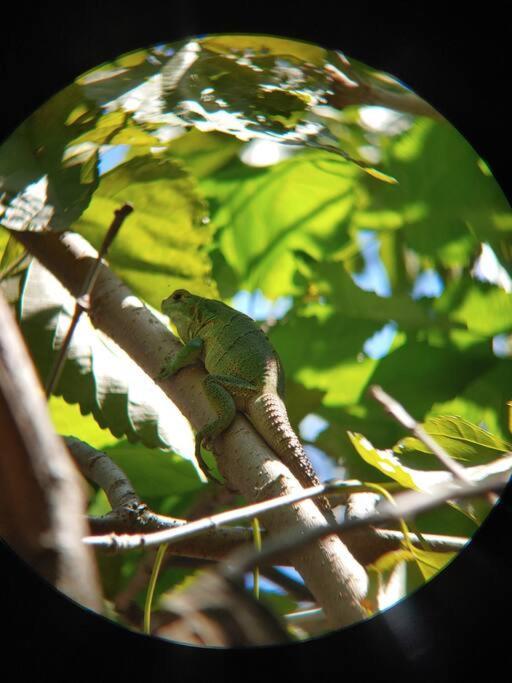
[(396, 410), (407, 504), (83, 301), (130, 515), (400, 414), (127, 542)]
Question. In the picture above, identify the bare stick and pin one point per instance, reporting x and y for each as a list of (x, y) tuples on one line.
[(125, 542), (400, 414), (130, 515), (397, 411), (405, 505), (83, 301)]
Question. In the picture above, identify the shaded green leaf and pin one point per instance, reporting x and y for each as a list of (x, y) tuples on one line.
[(97, 374), (161, 245), (483, 308), (154, 472), (443, 208), (460, 438)]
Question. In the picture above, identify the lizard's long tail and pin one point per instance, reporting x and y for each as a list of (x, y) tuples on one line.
[(268, 414)]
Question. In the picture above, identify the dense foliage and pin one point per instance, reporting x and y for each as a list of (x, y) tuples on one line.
[(336, 224)]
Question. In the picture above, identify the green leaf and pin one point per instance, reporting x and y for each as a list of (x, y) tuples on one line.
[(334, 283), (431, 562), (483, 400), (37, 148), (387, 461), (460, 438), (153, 472), (485, 309), (161, 245), (301, 204), (97, 374), (68, 419), (444, 208), (204, 154), (419, 374), (322, 350)]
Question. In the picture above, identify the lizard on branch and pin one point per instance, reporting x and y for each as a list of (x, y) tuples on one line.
[(245, 373)]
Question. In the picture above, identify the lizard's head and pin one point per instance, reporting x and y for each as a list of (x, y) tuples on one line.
[(180, 307)]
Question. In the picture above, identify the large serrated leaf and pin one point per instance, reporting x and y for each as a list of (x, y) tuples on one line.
[(154, 474), (97, 374), (162, 243), (459, 437), (267, 215)]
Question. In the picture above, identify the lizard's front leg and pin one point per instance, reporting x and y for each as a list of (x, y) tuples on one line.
[(187, 355), (220, 391)]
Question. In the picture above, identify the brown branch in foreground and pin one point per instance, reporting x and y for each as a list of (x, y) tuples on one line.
[(82, 301), (41, 501), (201, 612)]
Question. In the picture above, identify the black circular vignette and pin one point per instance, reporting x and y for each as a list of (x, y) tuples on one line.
[(453, 624)]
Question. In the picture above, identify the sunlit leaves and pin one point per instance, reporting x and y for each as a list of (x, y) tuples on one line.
[(161, 246), (444, 201), (389, 463), (459, 437), (301, 204), (241, 91), (37, 148)]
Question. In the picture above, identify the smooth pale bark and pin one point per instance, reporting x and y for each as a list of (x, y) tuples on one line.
[(335, 578)]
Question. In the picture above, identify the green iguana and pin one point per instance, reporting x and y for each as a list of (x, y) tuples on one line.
[(245, 373)]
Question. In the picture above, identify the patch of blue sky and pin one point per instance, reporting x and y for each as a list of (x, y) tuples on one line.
[(373, 277), (501, 346), (257, 306), (265, 584), (311, 426), (323, 465), (488, 269), (164, 49), (428, 284), (378, 345), (111, 156)]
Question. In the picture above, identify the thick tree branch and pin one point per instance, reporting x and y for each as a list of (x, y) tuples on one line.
[(41, 501), (333, 575)]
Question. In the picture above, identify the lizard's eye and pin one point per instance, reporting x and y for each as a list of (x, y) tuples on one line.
[(177, 296)]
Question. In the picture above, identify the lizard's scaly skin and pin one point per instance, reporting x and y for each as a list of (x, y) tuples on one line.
[(245, 373)]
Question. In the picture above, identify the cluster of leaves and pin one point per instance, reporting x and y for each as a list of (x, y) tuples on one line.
[(179, 121)]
